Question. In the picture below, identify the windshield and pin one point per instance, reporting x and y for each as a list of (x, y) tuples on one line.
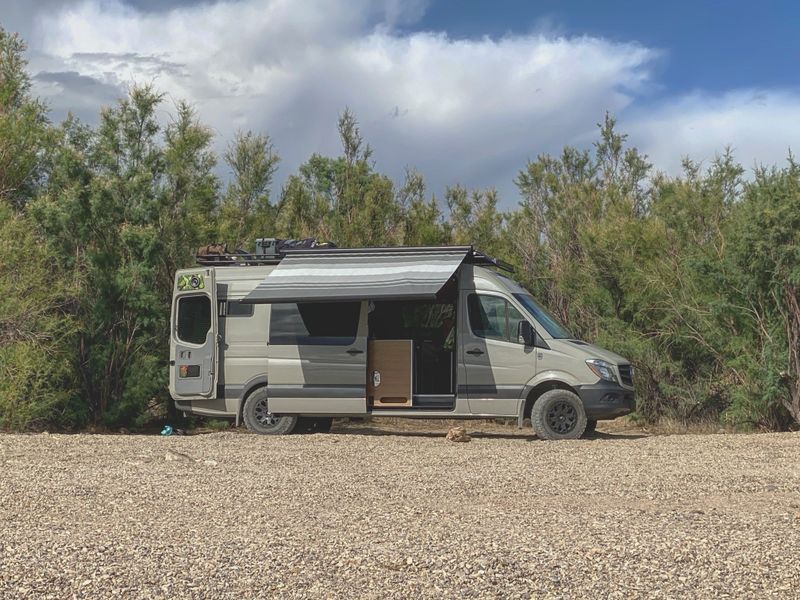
[(545, 319)]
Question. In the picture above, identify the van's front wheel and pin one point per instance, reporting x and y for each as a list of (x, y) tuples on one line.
[(259, 419), (558, 415)]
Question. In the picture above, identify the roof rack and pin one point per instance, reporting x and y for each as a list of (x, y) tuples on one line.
[(246, 259), (235, 260)]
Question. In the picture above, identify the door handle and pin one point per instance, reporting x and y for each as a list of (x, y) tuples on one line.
[(475, 351), (354, 351)]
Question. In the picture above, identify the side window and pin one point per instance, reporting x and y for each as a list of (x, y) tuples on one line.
[(314, 324), (493, 318), (487, 316), (194, 318)]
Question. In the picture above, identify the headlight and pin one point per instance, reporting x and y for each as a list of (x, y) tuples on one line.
[(602, 369)]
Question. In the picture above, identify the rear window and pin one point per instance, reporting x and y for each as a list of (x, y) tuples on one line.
[(194, 319), (314, 324)]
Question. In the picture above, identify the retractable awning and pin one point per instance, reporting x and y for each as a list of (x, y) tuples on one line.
[(357, 274)]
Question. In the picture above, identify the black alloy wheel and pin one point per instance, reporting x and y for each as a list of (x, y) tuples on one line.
[(562, 417)]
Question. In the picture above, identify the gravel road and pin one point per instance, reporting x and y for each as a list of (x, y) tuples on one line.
[(403, 514)]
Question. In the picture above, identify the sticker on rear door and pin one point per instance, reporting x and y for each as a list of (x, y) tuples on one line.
[(194, 281)]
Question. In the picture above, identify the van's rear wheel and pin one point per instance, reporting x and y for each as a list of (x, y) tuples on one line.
[(259, 419), (558, 415)]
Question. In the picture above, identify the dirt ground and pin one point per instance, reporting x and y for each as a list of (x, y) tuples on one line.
[(394, 510)]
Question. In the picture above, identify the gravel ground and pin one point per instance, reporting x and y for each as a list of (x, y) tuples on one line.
[(399, 514)]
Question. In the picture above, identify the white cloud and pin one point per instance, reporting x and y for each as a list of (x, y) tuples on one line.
[(758, 125), (470, 111), (467, 111)]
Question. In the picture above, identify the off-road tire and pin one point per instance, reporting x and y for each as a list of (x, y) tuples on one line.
[(257, 418), (558, 415), (591, 427), (313, 425)]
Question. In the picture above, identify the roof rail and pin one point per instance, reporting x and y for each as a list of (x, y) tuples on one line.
[(245, 259)]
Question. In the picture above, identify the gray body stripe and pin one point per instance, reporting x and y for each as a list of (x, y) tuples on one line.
[(316, 391), (491, 391), (229, 391)]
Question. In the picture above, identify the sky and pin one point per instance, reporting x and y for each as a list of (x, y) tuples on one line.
[(464, 91)]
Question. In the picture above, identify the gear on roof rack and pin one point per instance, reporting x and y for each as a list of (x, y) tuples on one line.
[(278, 247), (270, 251)]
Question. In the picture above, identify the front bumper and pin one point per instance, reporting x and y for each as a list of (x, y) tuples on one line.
[(606, 400)]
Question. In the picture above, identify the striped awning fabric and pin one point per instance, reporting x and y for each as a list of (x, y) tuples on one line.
[(359, 274)]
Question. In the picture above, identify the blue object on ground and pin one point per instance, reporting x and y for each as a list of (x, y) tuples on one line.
[(167, 430)]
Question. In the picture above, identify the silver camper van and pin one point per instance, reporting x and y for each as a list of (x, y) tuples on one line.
[(286, 341)]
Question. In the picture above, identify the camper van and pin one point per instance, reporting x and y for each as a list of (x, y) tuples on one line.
[(286, 340)]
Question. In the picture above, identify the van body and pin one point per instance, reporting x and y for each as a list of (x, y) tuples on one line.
[(314, 335)]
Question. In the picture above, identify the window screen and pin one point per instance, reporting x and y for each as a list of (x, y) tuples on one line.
[(314, 324), (494, 318), (194, 318)]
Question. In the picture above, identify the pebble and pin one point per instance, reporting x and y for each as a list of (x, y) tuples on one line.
[(387, 512)]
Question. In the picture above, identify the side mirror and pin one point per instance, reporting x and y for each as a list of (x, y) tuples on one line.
[(526, 333)]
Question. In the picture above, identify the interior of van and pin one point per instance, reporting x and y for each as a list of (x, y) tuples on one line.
[(412, 348)]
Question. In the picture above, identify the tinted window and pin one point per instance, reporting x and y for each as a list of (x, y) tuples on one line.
[(487, 316), (194, 318), (493, 317), (316, 324)]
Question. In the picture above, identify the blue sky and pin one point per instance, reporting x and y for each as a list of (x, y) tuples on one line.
[(465, 92), (715, 46)]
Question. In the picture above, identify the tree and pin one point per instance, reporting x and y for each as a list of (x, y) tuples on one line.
[(246, 212), (38, 386), (341, 199), (423, 222), (125, 205), (759, 273), (23, 125), (474, 219)]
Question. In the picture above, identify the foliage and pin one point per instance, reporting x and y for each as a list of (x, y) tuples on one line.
[(341, 199), (124, 206), (37, 336), (23, 125), (759, 272), (246, 212), (695, 277)]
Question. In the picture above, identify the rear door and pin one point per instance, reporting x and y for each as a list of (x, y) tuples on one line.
[(496, 364), (318, 358), (193, 339)]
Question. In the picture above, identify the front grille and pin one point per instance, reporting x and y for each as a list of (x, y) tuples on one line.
[(626, 375)]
